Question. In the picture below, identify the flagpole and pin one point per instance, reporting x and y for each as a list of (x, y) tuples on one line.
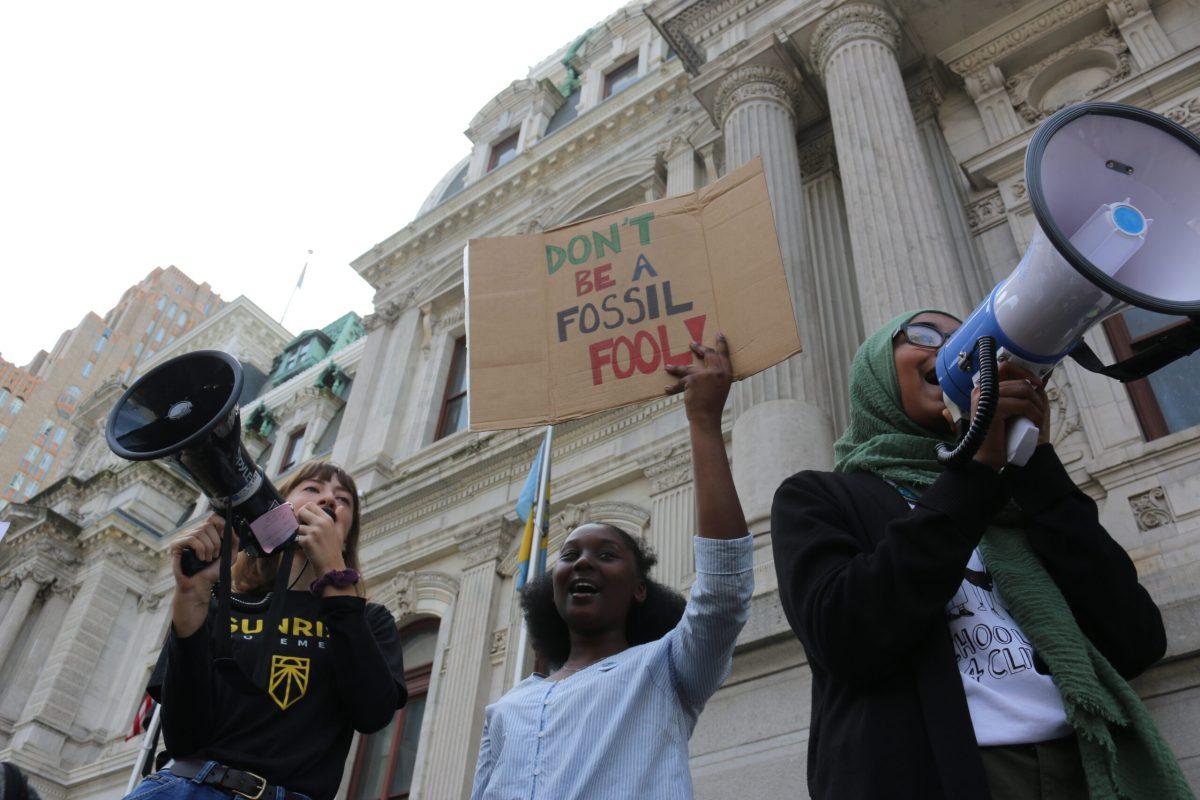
[(536, 543), (147, 746), (295, 288)]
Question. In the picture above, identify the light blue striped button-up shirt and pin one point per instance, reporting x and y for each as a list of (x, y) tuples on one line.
[(619, 729)]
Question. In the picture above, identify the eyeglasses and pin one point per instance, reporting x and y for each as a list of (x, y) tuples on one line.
[(922, 334)]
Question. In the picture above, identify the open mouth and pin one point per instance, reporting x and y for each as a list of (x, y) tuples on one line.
[(580, 588)]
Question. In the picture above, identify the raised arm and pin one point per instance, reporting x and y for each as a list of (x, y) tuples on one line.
[(701, 646)]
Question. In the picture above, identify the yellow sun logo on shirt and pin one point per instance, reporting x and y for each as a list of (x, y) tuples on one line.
[(289, 679)]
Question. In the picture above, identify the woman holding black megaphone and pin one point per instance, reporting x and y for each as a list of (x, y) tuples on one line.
[(970, 628), (336, 663)]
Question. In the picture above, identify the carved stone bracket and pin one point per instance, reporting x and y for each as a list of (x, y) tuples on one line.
[(389, 312), (818, 156), (485, 543), (1150, 509), (756, 82), (850, 23), (986, 212), (499, 645), (668, 468)]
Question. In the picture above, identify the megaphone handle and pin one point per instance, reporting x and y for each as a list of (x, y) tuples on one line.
[(1021, 436), (189, 564)]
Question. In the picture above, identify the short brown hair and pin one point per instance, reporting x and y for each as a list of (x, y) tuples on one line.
[(258, 574)]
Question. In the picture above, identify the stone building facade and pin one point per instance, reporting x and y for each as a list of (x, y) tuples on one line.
[(892, 135)]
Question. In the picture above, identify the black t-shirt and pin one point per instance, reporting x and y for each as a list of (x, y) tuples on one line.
[(336, 667)]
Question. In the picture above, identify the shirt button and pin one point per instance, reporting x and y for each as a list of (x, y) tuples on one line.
[(537, 771), (546, 702), (541, 734)]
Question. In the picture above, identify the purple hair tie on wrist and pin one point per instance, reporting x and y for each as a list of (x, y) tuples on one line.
[(338, 578)]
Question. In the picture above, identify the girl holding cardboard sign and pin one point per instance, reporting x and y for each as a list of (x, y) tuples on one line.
[(632, 666)]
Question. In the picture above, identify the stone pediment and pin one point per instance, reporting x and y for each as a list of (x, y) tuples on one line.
[(507, 109)]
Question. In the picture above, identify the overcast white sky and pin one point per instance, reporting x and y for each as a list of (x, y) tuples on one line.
[(228, 138)]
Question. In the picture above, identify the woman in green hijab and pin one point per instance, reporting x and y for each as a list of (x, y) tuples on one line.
[(970, 631)]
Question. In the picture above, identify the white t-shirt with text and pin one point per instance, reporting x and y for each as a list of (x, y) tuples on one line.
[(1010, 701)]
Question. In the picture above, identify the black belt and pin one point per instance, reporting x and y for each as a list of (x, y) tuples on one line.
[(241, 782)]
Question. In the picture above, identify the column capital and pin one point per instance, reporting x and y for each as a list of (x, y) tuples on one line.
[(389, 312), (756, 82), (849, 23), (667, 468), (485, 543), (674, 146)]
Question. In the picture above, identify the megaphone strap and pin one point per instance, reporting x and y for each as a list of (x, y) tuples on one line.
[(1161, 350)]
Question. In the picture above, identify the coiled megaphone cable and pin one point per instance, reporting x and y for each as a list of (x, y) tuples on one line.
[(985, 409)]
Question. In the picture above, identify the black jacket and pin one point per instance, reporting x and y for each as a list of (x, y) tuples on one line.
[(864, 582)]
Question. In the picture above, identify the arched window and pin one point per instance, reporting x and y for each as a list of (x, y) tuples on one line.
[(384, 764)]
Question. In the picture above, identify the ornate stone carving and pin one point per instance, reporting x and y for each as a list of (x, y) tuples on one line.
[(850, 23), (485, 543), (499, 645), (671, 147), (149, 602), (1186, 113), (1026, 94), (402, 590), (986, 212), (1150, 509), (925, 97), (756, 82), (668, 468), (389, 312), (818, 156), (1007, 43), (988, 78)]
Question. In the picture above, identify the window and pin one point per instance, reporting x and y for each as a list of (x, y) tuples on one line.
[(87, 369), (137, 351), (291, 451), (68, 400), (31, 456), (454, 404), (621, 78), (150, 328), (207, 307), (99, 344), (383, 766), (171, 311), (44, 465), (1164, 402), (44, 429), (30, 488), (15, 483), (16, 405), (3, 432), (158, 336), (503, 152), (3, 397), (59, 435), (182, 318), (162, 301)]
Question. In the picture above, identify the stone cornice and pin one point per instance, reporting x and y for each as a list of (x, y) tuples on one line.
[(1014, 32), (459, 215), (485, 543), (689, 29), (668, 468), (755, 82), (849, 23)]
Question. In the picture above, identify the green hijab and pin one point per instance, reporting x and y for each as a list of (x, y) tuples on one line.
[(1123, 754)]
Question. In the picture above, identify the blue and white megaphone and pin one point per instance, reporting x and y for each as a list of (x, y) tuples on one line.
[(1116, 193)]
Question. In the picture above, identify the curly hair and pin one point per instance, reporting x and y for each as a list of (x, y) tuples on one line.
[(648, 621)]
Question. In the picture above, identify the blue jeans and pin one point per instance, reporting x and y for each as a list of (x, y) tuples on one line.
[(164, 785)]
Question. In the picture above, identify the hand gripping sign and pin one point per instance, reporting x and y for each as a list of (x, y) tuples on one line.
[(583, 318)]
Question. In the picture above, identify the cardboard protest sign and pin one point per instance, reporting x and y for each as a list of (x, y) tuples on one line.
[(583, 318)]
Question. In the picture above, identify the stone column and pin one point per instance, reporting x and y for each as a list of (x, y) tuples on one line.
[(18, 610), (829, 251), (57, 698), (951, 187), (672, 513), (781, 416), (680, 158), (462, 693), (369, 438), (1148, 42), (903, 254)]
